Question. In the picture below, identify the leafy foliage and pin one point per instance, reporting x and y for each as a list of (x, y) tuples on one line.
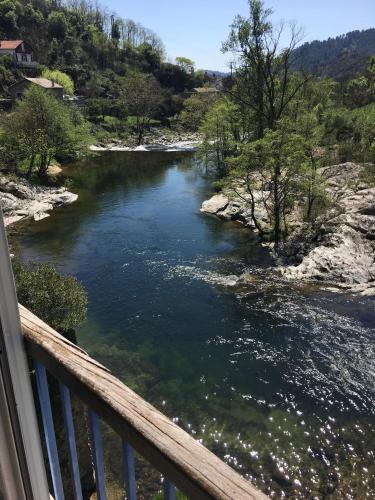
[(194, 110), (84, 41), (40, 128), (276, 127), (58, 300)]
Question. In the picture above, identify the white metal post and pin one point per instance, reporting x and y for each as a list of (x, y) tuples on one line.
[(21, 453)]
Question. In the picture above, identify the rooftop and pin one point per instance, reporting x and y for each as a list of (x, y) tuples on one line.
[(10, 44), (45, 83)]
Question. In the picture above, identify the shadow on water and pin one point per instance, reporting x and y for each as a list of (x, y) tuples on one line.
[(277, 379)]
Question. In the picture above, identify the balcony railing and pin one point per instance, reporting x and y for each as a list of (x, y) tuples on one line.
[(184, 463)]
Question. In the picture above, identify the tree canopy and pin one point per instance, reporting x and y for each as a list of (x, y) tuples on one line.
[(39, 129), (58, 300)]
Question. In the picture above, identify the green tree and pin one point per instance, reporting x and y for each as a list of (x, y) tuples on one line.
[(57, 25), (222, 133), (115, 31), (270, 171), (58, 300), (194, 110), (9, 12), (42, 127), (358, 92), (61, 78)]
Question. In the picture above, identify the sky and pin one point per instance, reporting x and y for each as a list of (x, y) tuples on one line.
[(197, 28)]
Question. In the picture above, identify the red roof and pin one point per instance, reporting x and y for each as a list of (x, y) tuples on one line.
[(10, 44)]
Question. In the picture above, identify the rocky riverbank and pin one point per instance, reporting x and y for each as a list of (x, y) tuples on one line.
[(156, 140), (339, 248), (20, 199)]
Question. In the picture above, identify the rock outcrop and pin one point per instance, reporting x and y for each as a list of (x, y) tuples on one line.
[(342, 248), (21, 199), (339, 248)]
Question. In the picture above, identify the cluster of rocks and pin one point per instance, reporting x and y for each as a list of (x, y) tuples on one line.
[(154, 140), (339, 248), (21, 199)]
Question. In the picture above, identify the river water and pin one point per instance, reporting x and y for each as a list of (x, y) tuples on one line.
[(276, 378)]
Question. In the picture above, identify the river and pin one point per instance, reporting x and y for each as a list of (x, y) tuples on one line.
[(276, 378)]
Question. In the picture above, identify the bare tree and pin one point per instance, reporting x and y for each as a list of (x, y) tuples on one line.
[(265, 81)]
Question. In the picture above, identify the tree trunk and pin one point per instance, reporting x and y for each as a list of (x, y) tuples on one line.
[(260, 101), (254, 219), (31, 166), (43, 165), (140, 136), (276, 208)]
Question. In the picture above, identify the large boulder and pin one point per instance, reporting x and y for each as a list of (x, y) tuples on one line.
[(8, 202), (216, 204), (236, 208), (347, 257)]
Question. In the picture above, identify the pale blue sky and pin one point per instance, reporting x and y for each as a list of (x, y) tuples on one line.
[(196, 28)]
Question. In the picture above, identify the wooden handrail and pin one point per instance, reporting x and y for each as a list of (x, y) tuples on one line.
[(188, 464)]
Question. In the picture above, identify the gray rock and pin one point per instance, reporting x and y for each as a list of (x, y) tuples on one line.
[(8, 202), (216, 204), (236, 208), (339, 248), (21, 199), (342, 250)]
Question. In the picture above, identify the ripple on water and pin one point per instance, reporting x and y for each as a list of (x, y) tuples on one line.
[(315, 364)]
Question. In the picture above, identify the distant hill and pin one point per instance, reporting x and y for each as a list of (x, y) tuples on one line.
[(340, 58), (217, 74)]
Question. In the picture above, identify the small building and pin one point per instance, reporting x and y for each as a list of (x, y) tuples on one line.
[(20, 51), (17, 89)]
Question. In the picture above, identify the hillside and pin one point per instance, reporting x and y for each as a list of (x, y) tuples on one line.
[(88, 43), (340, 58)]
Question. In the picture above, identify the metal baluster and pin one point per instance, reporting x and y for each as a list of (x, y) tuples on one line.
[(49, 430), (129, 471), (96, 438), (169, 490), (69, 427)]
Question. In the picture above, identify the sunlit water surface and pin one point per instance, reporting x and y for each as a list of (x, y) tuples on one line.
[(276, 378)]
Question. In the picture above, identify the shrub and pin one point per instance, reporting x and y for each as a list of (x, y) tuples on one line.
[(58, 300)]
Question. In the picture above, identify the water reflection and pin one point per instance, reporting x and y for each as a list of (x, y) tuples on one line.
[(276, 379)]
